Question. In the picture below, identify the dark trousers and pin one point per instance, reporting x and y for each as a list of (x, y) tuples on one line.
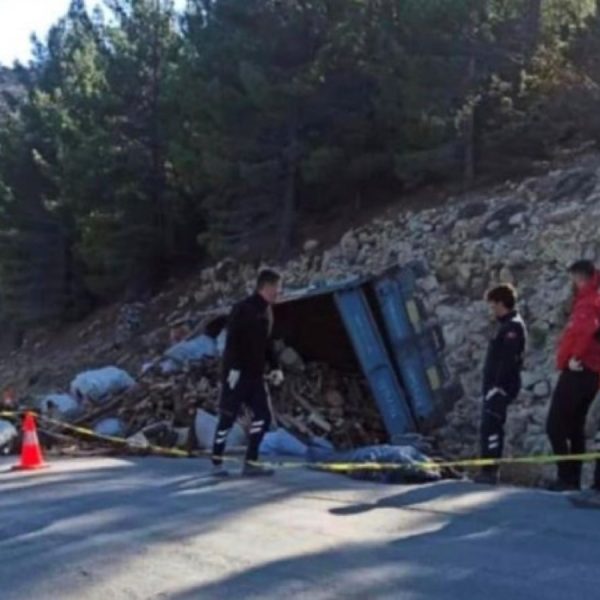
[(493, 419), (573, 396), (251, 393)]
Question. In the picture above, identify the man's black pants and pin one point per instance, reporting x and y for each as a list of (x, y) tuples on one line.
[(573, 396), (253, 394), (493, 418)]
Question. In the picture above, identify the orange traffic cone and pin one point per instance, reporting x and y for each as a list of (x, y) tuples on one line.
[(31, 452)]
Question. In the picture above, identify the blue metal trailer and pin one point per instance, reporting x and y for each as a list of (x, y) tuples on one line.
[(378, 325)]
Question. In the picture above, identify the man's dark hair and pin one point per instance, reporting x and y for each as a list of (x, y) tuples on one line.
[(504, 294), (267, 277), (583, 267)]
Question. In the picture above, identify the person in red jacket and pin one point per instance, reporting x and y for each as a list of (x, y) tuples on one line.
[(578, 360)]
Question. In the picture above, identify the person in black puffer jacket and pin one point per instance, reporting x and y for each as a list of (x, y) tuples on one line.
[(501, 374), (248, 351)]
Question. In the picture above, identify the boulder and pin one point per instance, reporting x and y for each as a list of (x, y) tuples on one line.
[(350, 247), (225, 270), (472, 210), (291, 360), (311, 246), (578, 184), (529, 379), (564, 215), (506, 276), (504, 220), (454, 335), (542, 389)]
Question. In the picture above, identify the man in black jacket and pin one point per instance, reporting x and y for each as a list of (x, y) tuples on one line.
[(247, 352), (501, 375)]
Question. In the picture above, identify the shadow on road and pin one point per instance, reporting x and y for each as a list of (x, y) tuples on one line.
[(409, 500), (438, 541), (54, 519), (491, 549)]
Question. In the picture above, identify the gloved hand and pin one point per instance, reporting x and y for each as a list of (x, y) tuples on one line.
[(575, 365), (233, 378), (276, 377), (493, 392)]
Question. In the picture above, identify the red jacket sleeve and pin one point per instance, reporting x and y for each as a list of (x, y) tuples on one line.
[(579, 334), (585, 326)]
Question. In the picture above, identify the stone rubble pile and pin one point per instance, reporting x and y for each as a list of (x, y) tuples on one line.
[(526, 234)]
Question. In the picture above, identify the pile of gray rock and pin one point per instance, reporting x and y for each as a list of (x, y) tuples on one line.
[(525, 233)]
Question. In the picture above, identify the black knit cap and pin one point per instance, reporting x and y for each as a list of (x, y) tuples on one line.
[(583, 267)]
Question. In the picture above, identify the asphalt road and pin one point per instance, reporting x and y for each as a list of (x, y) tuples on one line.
[(103, 529)]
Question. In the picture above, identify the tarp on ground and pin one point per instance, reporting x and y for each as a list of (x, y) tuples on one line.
[(408, 459)]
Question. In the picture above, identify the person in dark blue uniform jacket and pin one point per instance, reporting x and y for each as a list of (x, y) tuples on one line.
[(501, 374)]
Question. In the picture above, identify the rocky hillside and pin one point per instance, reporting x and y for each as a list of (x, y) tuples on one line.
[(526, 233)]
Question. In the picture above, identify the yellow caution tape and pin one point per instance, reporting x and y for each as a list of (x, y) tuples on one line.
[(114, 440), (337, 467), (97, 436)]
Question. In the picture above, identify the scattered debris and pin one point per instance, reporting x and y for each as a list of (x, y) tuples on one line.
[(319, 402), (110, 427), (63, 405), (205, 425), (99, 385), (129, 322), (405, 464), (188, 351), (322, 402), (8, 436), (163, 408)]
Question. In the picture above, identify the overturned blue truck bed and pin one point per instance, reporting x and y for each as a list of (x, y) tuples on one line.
[(379, 326)]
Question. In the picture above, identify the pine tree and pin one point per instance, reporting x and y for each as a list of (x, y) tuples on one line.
[(132, 232), (136, 134)]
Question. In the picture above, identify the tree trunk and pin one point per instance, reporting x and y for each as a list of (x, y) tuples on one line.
[(288, 216), (158, 179), (533, 26), (469, 126)]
